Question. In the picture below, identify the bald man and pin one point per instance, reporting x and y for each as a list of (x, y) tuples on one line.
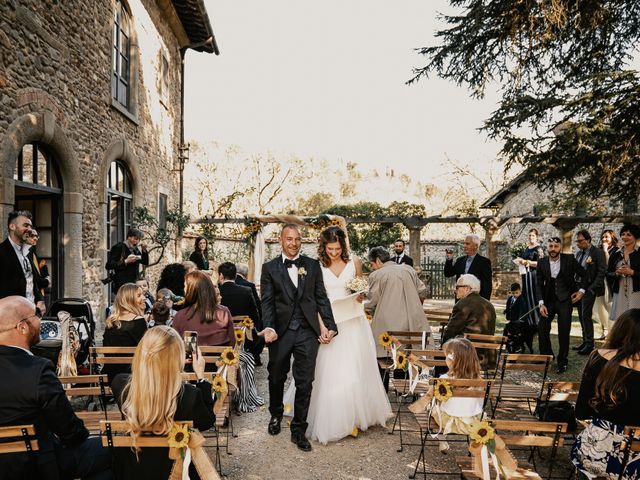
[(37, 397)]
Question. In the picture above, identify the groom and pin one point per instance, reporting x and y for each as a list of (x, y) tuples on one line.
[(293, 300)]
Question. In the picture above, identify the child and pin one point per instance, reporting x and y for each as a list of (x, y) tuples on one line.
[(517, 329), (160, 314), (457, 415), (143, 283), (168, 298)]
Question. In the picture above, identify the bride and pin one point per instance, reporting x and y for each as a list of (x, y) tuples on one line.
[(347, 394)]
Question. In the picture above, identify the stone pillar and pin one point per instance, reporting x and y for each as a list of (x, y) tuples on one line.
[(492, 232), (414, 246), (565, 229), (72, 242), (7, 202)]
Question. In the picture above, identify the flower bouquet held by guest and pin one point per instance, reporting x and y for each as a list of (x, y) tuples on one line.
[(126, 325), (609, 395), (154, 396), (456, 415), (348, 394), (623, 272)]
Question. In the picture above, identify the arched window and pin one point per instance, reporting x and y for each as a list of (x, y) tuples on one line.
[(120, 197), (35, 168)]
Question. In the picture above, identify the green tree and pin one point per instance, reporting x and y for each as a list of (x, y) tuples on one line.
[(156, 236), (570, 109)]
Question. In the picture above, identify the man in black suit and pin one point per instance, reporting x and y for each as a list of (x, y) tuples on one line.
[(557, 291), (241, 279), (472, 262), (239, 301), (32, 394), (401, 257), (19, 275), (293, 297), (592, 259), (125, 258)]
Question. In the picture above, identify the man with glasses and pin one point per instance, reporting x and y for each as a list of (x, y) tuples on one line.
[(19, 275), (592, 260), (32, 394), (471, 262), (471, 314)]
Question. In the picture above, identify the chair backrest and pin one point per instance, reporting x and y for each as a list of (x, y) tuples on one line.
[(111, 355), (469, 388), (116, 434), (428, 358), (526, 362), (410, 339), (18, 438), (558, 391), (85, 385)]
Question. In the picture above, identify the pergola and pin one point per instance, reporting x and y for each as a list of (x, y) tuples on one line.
[(491, 224)]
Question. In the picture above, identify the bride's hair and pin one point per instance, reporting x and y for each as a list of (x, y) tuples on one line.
[(331, 235)]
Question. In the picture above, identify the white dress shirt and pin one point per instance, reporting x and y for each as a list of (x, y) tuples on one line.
[(22, 252), (293, 270)]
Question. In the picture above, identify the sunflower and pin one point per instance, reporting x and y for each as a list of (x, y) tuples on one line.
[(179, 436), (229, 356), (369, 317), (482, 433), (219, 384), (442, 390), (401, 360), (247, 322), (385, 339), (239, 335)]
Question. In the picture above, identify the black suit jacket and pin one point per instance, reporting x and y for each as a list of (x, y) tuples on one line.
[(12, 281), (634, 263), (405, 259), (239, 300), (480, 268), (279, 294), (32, 394), (243, 282), (565, 283), (595, 270), (195, 404), (124, 272)]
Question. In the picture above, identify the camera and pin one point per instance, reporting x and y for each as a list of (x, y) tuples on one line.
[(111, 276)]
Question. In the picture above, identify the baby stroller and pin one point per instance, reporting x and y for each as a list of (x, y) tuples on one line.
[(51, 334)]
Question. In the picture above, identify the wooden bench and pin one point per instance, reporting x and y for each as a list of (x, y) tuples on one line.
[(510, 392), (17, 439), (532, 436)]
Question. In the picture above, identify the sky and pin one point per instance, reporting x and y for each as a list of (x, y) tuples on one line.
[(327, 80)]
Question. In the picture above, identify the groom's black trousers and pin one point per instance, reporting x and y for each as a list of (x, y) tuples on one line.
[(303, 345)]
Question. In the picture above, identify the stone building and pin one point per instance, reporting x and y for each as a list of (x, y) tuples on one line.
[(91, 122)]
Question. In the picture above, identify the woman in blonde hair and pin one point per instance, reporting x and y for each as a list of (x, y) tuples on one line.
[(457, 415), (126, 325), (154, 396)]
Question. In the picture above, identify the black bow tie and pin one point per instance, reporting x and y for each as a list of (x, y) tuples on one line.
[(288, 263)]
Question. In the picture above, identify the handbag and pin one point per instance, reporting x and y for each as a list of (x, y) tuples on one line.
[(557, 411)]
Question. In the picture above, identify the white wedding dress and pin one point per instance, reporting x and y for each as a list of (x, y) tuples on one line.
[(347, 389)]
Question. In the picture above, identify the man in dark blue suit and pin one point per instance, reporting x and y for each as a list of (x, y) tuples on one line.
[(472, 262), (32, 394)]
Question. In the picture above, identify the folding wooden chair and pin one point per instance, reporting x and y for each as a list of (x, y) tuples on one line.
[(17, 439), (509, 392), (630, 444), (460, 388), (91, 386), (492, 346)]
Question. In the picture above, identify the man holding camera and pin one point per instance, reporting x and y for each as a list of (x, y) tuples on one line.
[(124, 260)]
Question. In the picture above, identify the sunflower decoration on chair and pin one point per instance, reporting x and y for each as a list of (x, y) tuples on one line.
[(229, 357), (248, 323), (219, 385), (239, 336), (442, 390), (483, 434), (179, 436), (402, 361), (385, 340)]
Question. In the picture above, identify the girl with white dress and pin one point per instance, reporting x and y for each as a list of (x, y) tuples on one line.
[(347, 394)]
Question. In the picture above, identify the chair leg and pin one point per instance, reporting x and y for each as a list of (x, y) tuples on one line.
[(400, 424)]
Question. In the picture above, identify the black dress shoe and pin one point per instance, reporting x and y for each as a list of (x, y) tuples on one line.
[(561, 369), (301, 442), (579, 347), (274, 425), (586, 350)]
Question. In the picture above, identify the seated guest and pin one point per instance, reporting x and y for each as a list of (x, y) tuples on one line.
[(143, 283), (471, 314), (32, 394), (154, 396), (172, 277), (242, 270), (160, 315), (126, 325), (203, 313), (189, 266), (165, 295), (609, 394), (239, 300)]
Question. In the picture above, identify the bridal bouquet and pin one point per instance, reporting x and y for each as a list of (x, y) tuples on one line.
[(357, 284)]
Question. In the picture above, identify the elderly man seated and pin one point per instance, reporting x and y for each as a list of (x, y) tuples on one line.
[(32, 394), (471, 313)]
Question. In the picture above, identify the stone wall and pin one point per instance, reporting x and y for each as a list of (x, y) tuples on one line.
[(55, 63)]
